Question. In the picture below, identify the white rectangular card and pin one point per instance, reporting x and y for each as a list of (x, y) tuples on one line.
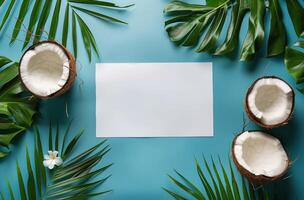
[(154, 100)]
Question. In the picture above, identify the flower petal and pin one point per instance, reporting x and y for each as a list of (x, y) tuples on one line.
[(50, 152), (46, 157), (55, 153), (51, 166), (58, 161), (47, 163)]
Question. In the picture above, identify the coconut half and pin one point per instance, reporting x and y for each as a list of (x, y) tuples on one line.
[(269, 102), (47, 69), (259, 156)]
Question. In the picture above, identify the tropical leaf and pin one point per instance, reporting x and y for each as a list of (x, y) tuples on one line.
[(22, 12), (74, 179), (195, 24), (296, 12), (294, 61), (7, 13), (49, 10), (17, 108), (46, 9), (54, 23), (65, 26), (215, 189)]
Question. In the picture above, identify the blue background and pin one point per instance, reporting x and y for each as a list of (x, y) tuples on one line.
[(141, 165)]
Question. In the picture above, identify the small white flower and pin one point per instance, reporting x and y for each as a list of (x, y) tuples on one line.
[(51, 160)]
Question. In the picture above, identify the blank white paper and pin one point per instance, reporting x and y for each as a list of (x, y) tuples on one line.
[(154, 100)]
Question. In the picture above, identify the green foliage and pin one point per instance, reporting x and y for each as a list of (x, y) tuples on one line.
[(39, 12), (73, 180), (294, 61), (216, 184), (191, 24), (17, 108)]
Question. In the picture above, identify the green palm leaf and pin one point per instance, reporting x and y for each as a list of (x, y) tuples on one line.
[(22, 13), (65, 26), (49, 10), (10, 189), (7, 13), (31, 191), (54, 23), (190, 24), (33, 20), (100, 3), (42, 20), (294, 61), (17, 108), (72, 180), (21, 183), (236, 191), (85, 35), (74, 33), (231, 190), (207, 186), (99, 15)]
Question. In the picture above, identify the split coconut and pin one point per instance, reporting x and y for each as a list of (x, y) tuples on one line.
[(259, 156), (270, 102), (47, 69)]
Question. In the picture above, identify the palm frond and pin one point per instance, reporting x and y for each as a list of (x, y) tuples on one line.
[(39, 12), (221, 186), (75, 179), (191, 24), (294, 61), (17, 108)]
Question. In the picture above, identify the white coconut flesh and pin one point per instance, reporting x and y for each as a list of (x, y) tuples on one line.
[(44, 70), (260, 154), (270, 101)]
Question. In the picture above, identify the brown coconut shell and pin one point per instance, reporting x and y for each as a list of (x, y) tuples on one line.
[(72, 72), (258, 179), (258, 121)]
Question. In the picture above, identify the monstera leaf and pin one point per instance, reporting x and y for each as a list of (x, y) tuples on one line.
[(191, 24), (39, 12), (17, 109), (74, 179), (294, 61), (216, 184)]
